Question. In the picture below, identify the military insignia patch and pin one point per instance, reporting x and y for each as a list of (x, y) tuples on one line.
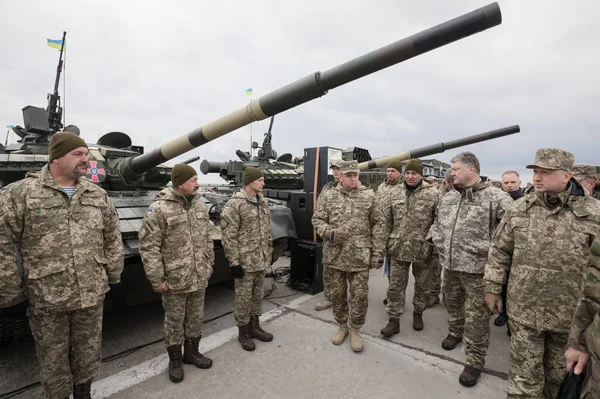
[(149, 210), (96, 172)]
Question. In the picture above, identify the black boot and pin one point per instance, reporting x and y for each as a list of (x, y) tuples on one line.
[(175, 363), (244, 338), (418, 321), (257, 332), (192, 356), (83, 390), (392, 327)]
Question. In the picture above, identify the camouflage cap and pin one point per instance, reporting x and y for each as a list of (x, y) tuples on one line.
[(336, 162), (430, 178), (349, 167), (581, 171), (553, 158)]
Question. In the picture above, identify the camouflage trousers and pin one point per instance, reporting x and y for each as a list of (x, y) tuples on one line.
[(68, 346), (468, 315), (184, 314), (355, 314), (537, 362), (326, 283), (396, 293), (435, 287), (249, 292), (591, 387)]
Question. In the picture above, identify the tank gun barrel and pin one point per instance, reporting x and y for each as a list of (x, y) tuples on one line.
[(191, 160), (439, 147), (207, 167), (318, 84)]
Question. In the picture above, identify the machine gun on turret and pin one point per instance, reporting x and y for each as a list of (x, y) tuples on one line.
[(39, 123)]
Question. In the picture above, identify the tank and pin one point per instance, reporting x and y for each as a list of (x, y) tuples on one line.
[(133, 176)]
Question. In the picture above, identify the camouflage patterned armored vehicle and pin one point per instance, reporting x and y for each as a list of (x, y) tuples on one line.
[(133, 176)]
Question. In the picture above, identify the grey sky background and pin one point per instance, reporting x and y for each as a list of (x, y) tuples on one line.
[(158, 70)]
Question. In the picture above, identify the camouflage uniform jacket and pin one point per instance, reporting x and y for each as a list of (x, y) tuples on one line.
[(546, 251), (175, 242), (408, 215), (70, 248), (585, 330), (330, 184), (357, 216), (464, 225), (246, 232), (385, 188)]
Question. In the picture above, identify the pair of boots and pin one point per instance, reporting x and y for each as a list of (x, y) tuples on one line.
[(470, 374), (191, 355), (393, 326), (356, 342), (83, 390), (252, 330)]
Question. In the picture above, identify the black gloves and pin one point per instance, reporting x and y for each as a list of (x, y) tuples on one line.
[(237, 271), (16, 312)]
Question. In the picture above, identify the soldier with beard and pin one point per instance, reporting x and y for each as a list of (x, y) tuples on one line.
[(66, 231), (408, 212), (544, 242), (177, 253), (392, 182)]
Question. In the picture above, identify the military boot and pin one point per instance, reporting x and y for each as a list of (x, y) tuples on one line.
[(324, 304), (418, 321), (257, 332), (356, 342), (393, 327), (340, 336), (244, 338), (469, 376), (192, 356), (175, 363), (450, 342), (83, 390)]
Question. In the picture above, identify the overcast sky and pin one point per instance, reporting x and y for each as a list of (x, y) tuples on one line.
[(158, 71)]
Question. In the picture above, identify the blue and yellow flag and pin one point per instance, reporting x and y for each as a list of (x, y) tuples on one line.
[(248, 91), (55, 44), (10, 127)]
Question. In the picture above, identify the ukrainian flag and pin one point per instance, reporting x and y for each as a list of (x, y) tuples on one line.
[(57, 44), (10, 127), (248, 91)]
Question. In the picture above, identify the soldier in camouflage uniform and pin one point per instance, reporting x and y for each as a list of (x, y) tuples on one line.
[(586, 174), (349, 221), (177, 252), (466, 220), (584, 338), (326, 302), (435, 288), (408, 214), (67, 233), (544, 241), (392, 182), (248, 244)]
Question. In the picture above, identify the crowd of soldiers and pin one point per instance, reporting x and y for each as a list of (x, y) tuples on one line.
[(479, 233), (61, 249)]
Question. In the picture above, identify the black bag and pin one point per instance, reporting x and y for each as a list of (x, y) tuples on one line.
[(571, 385)]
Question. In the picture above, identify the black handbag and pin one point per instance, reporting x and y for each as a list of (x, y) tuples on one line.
[(571, 385)]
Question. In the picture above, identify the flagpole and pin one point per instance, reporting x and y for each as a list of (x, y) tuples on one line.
[(251, 131), (64, 102)]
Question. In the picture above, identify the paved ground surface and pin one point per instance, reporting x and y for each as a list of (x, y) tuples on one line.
[(300, 363)]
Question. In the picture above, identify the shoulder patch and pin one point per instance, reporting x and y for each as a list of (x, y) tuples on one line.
[(149, 210)]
